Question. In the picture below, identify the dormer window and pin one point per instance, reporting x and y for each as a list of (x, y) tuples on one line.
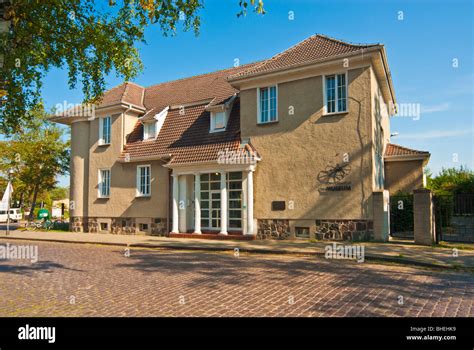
[(149, 130), (218, 121)]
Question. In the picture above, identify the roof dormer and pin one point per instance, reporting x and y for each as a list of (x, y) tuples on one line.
[(152, 125), (219, 121), (149, 130), (220, 113)]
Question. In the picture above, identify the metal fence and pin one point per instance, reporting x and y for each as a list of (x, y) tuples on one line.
[(463, 204), (401, 216), (454, 217)]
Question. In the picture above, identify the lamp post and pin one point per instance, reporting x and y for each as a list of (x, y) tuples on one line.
[(10, 173)]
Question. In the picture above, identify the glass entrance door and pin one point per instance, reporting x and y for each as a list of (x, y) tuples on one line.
[(215, 210), (211, 201)]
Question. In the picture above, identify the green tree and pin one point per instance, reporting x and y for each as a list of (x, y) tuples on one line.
[(37, 154), (90, 38), (452, 180), (59, 193)]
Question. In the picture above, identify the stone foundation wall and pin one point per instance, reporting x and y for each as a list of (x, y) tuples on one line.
[(344, 230), (78, 224), (158, 227), (273, 229), (120, 226), (123, 226), (339, 230), (93, 225)]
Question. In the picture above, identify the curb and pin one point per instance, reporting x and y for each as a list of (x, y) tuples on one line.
[(373, 258)]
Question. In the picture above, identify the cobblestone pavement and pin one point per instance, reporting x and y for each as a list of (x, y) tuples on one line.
[(89, 280)]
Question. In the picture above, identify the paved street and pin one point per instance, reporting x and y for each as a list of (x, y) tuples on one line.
[(92, 280), (401, 252)]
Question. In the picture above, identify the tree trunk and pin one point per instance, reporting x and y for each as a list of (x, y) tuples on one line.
[(20, 203), (33, 203)]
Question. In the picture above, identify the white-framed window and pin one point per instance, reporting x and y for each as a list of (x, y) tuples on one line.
[(335, 93), (218, 121), (104, 130), (104, 183), (267, 103), (149, 130), (143, 180)]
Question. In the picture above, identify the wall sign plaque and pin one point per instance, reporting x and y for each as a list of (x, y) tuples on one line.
[(331, 178), (346, 186), (278, 205)]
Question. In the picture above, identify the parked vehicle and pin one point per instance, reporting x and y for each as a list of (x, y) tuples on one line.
[(15, 215)]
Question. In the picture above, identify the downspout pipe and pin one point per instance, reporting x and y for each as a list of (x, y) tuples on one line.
[(123, 125)]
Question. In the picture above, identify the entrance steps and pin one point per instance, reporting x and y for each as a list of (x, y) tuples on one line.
[(238, 236)]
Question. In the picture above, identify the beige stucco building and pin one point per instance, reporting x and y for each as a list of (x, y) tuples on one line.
[(290, 147)]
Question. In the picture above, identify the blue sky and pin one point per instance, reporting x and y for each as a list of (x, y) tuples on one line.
[(421, 49)]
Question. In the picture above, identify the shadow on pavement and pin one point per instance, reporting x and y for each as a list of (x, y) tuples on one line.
[(41, 266), (216, 270)]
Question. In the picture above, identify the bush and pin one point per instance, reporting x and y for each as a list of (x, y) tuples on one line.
[(61, 226)]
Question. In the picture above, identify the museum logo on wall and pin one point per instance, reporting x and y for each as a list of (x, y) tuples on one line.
[(332, 178)]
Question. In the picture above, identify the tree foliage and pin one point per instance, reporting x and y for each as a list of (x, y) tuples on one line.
[(452, 180), (90, 38), (257, 6), (59, 193), (37, 155)]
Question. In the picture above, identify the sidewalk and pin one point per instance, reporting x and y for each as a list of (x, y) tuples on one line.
[(389, 252)]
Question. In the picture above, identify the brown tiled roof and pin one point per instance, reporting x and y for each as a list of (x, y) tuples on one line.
[(393, 150), (186, 137), (127, 92), (220, 101), (198, 88), (316, 47)]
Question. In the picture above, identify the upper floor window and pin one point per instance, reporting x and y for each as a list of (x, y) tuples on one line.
[(143, 180), (267, 104), (104, 183), (149, 131), (336, 93), (218, 121), (104, 130)]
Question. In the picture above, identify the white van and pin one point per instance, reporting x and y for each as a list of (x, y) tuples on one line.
[(15, 215)]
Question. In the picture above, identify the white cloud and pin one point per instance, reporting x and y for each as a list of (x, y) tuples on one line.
[(435, 108), (435, 134)]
